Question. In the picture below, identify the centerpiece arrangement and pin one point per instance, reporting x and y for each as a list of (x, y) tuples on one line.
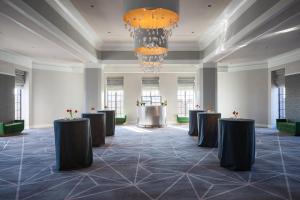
[(235, 114), (93, 110), (72, 114)]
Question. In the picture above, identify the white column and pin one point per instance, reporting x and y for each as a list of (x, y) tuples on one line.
[(93, 86), (207, 76)]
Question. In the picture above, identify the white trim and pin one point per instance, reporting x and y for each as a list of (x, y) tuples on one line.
[(242, 66), (56, 67), (229, 46), (261, 125), (134, 62), (41, 126), (9, 74), (69, 12), (171, 68), (285, 58), (231, 13), (14, 58), (93, 65), (43, 28), (290, 74), (129, 46)]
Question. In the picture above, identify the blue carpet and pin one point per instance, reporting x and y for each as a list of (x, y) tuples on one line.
[(141, 163)]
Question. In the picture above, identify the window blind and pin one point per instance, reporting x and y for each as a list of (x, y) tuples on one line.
[(115, 82), (20, 78), (150, 82), (186, 82), (278, 77)]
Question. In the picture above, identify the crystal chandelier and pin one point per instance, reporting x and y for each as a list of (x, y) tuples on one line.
[(150, 23)]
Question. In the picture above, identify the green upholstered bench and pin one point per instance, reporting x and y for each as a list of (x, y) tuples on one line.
[(14, 127), (121, 120), (287, 126), (182, 119)]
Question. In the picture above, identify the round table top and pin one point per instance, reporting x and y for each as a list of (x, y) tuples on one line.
[(98, 113), (70, 120), (197, 111), (236, 120), (208, 113), (106, 110)]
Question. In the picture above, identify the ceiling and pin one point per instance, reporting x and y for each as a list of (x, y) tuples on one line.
[(105, 18), (14, 37), (283, 38)]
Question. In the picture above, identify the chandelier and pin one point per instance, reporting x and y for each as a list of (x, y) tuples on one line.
[(150, 23)]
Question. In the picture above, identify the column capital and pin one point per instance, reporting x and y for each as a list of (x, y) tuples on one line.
[(93, 65)]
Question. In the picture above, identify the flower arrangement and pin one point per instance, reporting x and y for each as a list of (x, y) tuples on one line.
[(93, 110), (209, 109), (235, 114), (164, 103), (197, 106), (140, 103), (72, 113), (105, 107)]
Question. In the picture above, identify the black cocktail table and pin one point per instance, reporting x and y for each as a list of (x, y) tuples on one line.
[(73, 144), (237, 143), (208, 129), (193, 125), (110, 121), (98, 127)]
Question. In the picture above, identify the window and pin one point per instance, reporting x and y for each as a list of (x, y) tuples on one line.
[(185, 101), (150, 91), (115, 101), (19, 83), (18, 103), (115, 95), (150, 96), (185, 95), (281, 102)]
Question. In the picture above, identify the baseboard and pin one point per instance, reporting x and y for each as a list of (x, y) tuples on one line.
[(42, 126), (262, 125)]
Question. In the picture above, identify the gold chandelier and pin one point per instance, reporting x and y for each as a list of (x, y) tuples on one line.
[(150, 23)]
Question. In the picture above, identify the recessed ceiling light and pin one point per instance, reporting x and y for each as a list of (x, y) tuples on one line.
[(92, 6), (209, 6), (109, 32), (193, 32)]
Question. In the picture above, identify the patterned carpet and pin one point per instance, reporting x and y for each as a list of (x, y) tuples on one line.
[(148, 164)]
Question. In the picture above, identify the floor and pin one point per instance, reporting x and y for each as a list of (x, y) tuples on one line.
[(148, 164)]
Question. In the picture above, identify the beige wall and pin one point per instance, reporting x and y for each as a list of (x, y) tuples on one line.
[(133, 91), (245, 92), (52, 93)]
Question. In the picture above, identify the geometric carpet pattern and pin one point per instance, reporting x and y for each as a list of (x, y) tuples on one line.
[(149, 164)]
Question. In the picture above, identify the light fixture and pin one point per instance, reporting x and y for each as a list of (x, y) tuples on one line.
[(150, 23)]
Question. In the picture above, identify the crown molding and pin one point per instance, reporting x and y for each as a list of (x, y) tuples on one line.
[(129, 46), (134, 62), (231, 13), (223, 67), (31, 20), (232, 45), (70, 13), (285, 58), (135, 68), (73, 68), (15, 58)]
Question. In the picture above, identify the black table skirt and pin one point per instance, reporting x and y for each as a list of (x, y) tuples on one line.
[(73, 144), (98, 127), (193, 125), (208, 129), (110, 121), (237, 143)]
